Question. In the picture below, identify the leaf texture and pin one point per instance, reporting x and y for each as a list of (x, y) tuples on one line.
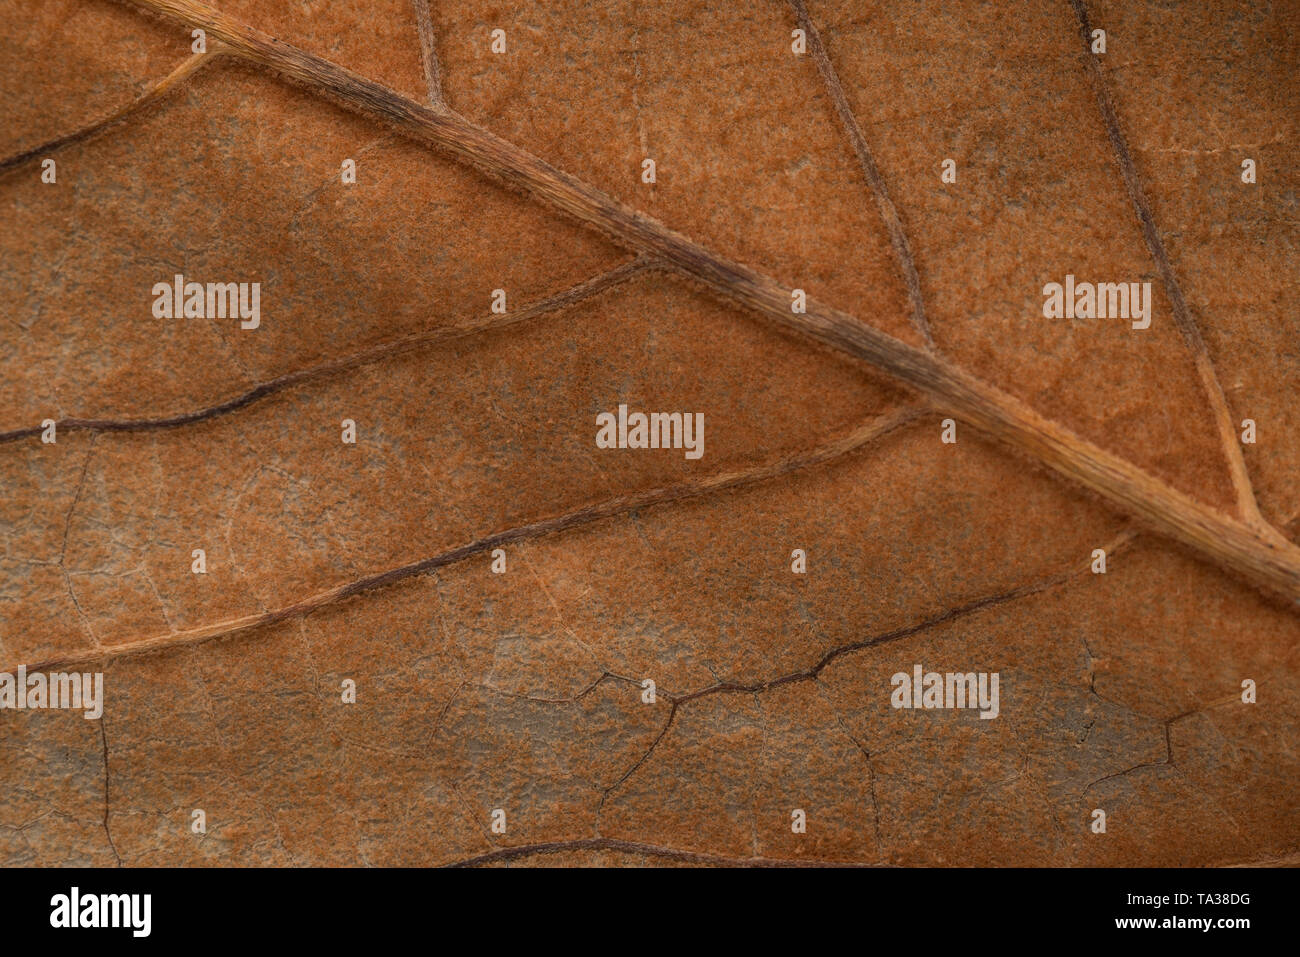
[(521, 171)]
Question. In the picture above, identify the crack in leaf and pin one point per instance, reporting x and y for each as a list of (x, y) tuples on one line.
[(812, 674)]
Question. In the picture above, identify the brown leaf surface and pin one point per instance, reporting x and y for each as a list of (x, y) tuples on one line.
[(522, 691)]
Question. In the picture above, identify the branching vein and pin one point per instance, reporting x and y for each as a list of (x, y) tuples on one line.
[(1191, 334), (888, 212), (429, 52), (608, 508), (561, 300), (1258, 554), (151, 95)]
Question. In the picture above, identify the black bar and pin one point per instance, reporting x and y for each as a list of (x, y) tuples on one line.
[(652, 908)]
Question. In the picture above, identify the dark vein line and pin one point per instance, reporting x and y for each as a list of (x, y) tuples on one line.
[(645, 850), (76, 499), (1115, 546), (1168, 759), (888, 212), (961, 611), (645, 756), (871, 770), (568, 297), (63, 549), (561, 699), (1166, 762), (155, 92), (1182, 315), (608, 508), (103, 733)]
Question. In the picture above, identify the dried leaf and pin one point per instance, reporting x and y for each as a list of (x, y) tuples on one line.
[(523, 692)]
